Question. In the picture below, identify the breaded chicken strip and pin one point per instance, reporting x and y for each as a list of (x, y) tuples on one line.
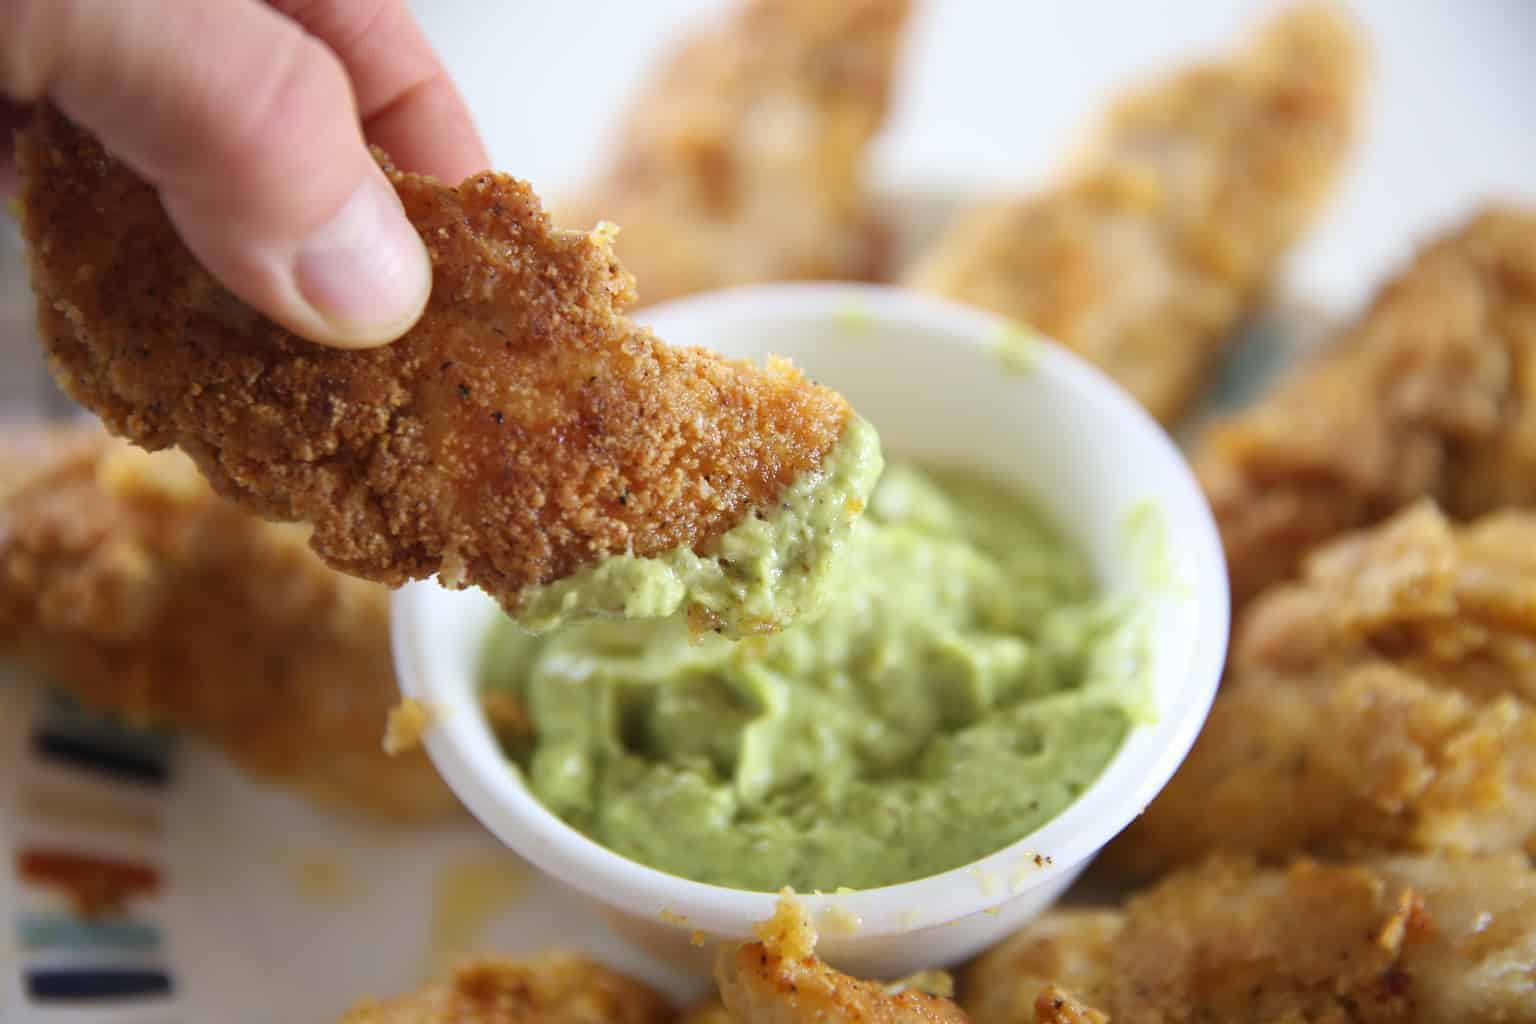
[(126, 581), (780, 980), (1420, 941), (763, 987), (1387, 701), (525, 429), (741, 160), (1432, 393), (776, 980), (1478, 960), (555, 988), (1172, 223), (1057, 1006)]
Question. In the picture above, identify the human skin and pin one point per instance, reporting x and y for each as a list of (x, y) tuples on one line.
[(252, 121)]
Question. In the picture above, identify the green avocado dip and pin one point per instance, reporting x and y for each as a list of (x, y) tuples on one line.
[(768, 571), (964, 685)]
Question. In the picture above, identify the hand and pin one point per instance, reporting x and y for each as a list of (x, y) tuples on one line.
[(250, 119)]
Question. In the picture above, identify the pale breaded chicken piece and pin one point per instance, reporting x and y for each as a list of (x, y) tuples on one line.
[(1478, 961), (1172, 223), (1386, 701), (523, 430), (555, 988), (127, 582), (1418, 941), (741, 160), (1432, 393)]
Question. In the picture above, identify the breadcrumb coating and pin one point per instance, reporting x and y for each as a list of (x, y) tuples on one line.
[(1171, 224), (405, 726), (554, 988), (1420, 941), (1432, 393), (741, 160), (127, 582), (789, 933), (523, 429), (1382, 702), (761, 986)]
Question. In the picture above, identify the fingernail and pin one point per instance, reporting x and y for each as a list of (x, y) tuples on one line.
[(366, 273)]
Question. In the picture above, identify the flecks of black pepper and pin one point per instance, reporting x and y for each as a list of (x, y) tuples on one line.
[(499, 417), (447, 365), (463, 390)]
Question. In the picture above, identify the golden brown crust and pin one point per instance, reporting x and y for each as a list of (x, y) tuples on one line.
[(1423, 940), (1384, 701), (761, 987), (1056, 1006), (522, 430), (1224, 942), (741, 161), (554, 988), (126, 581), (1432, 393), (1173, 222)]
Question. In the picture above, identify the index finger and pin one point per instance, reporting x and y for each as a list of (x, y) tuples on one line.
[(408, 103)]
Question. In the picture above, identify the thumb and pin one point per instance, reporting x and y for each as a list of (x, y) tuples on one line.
[(248, 128)]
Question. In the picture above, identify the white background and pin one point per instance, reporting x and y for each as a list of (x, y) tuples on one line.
[(993, 88)]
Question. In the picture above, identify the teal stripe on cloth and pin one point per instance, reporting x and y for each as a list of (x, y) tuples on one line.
[(58, 931)]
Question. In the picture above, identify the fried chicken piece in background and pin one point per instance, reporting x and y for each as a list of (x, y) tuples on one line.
[(1416, 940), (741, 161), (779, 979), (1169, 228), (125, 581), (762, 986), (555, 988), (776, 980), (1432, 393), (523, 430), (1386, 701)]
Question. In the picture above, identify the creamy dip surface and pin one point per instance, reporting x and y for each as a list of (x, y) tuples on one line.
[(765, 573), (962, 683)]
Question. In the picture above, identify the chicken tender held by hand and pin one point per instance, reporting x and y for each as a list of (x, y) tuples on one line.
[(1171, 225), (556, 988), (1421, 941), (1432, 393), (524, 433), (741, 161), (1386, 701), (127, 582)]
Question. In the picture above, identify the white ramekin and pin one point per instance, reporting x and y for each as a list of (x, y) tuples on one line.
[(932, 378)]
